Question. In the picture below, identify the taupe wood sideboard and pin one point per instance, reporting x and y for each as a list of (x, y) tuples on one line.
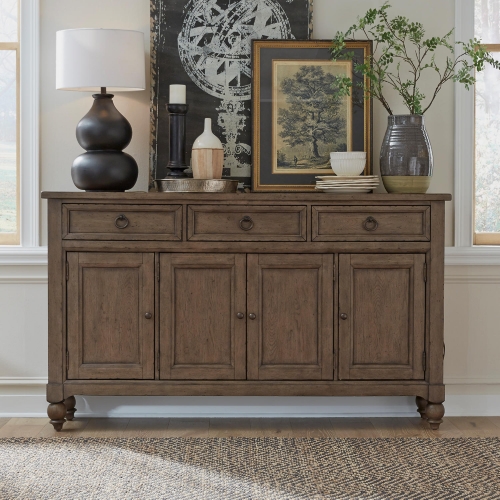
[(276, 294)]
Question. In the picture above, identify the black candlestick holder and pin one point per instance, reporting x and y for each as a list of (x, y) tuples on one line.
[(177, 119)]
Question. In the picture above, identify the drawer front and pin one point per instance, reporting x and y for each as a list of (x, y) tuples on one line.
[(249, 223), (371, 223), (128, 222)]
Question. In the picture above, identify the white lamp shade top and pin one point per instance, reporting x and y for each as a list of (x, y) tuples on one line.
[(88, 59)]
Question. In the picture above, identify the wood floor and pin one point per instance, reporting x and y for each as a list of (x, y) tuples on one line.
[(252, 427)]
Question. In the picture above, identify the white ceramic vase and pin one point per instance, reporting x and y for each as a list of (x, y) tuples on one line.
[(208, 155)]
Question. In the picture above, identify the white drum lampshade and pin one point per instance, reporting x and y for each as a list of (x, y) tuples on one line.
[(102, 61), (88, 59)]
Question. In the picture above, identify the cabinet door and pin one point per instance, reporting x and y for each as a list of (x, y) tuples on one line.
[(290, 325), (110, 306), (202, 316), (381, 317)]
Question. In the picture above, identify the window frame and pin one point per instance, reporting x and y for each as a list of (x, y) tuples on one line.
[(482, 239), (15, 238), (465, 252), (28, 122)]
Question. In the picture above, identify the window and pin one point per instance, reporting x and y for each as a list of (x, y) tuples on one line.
[(9, 123), (465, 252), (487, 129)]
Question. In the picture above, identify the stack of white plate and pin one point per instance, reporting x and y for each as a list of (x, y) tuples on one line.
[(344, 184)]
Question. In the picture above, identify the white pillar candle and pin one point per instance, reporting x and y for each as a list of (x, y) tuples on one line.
[(177, 94)]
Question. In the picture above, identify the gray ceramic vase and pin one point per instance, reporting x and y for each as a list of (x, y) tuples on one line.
[(406, 161)]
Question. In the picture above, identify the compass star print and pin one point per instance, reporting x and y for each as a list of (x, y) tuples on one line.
[(215, 42)]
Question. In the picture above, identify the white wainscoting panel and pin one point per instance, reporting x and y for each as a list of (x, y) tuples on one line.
[(472, 372)]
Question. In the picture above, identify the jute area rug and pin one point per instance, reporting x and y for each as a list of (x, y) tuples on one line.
[(250, 468)]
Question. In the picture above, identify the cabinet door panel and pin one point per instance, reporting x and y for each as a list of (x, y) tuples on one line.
[(291, 337), (109, 336), (382, 317), (201, 336)]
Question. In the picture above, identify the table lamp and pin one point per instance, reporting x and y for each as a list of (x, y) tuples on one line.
[(102, 60)]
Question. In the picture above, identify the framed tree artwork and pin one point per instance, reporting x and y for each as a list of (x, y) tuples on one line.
[(206, 45), (297, 118)]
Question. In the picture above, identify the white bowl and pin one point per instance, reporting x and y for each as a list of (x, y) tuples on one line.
[(346, 155), (348, 167)]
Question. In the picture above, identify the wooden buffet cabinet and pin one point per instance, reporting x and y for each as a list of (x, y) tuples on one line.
[(279, 294)]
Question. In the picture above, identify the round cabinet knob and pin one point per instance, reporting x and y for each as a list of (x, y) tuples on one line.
[(240, 315), (148, 315), (370, 224), (121, 222), (246, 223), (343, 316), (252, 316)]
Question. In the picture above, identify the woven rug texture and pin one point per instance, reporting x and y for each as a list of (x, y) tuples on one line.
[(250, 468)]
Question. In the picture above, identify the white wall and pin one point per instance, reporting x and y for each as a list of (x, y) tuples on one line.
[(472, 294)]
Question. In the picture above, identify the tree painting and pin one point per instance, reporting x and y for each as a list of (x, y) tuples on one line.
[(309, 121)]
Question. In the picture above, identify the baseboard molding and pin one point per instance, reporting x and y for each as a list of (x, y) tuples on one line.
[(34, 405), (23, 256), (472, 256), (454, 256), (476, 276), (467, 279), (23, 274), (456, 381), (22, 381), (469, 275), (23, 280), (449, 381)]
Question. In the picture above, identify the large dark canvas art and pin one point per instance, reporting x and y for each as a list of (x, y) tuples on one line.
[(206, 45)]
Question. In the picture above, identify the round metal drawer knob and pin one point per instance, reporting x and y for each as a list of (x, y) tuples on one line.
[(343, 316), (370, 224), (121, 222), (240, 315), (246, 223), (148, 315), (252, 316)]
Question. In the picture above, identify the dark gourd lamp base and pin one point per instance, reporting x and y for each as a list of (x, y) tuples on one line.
[(104, 132), (104, 171)]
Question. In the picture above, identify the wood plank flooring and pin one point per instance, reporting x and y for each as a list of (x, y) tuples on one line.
[(252, 427)]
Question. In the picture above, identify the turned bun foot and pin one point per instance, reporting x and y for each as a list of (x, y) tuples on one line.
[(70, 403), (421, 406), (434, 414), (57, 414)]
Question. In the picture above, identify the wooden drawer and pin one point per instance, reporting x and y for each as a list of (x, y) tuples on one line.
[(250, 223), (126, 222), (371, 223)]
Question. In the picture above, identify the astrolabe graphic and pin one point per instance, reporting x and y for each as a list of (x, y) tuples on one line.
[(215, 50), (215, 42)]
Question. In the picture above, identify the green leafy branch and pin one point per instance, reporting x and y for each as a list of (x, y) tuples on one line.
[(400, 47)]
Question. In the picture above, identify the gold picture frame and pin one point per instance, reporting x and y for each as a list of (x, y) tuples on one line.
[(282, 164)]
